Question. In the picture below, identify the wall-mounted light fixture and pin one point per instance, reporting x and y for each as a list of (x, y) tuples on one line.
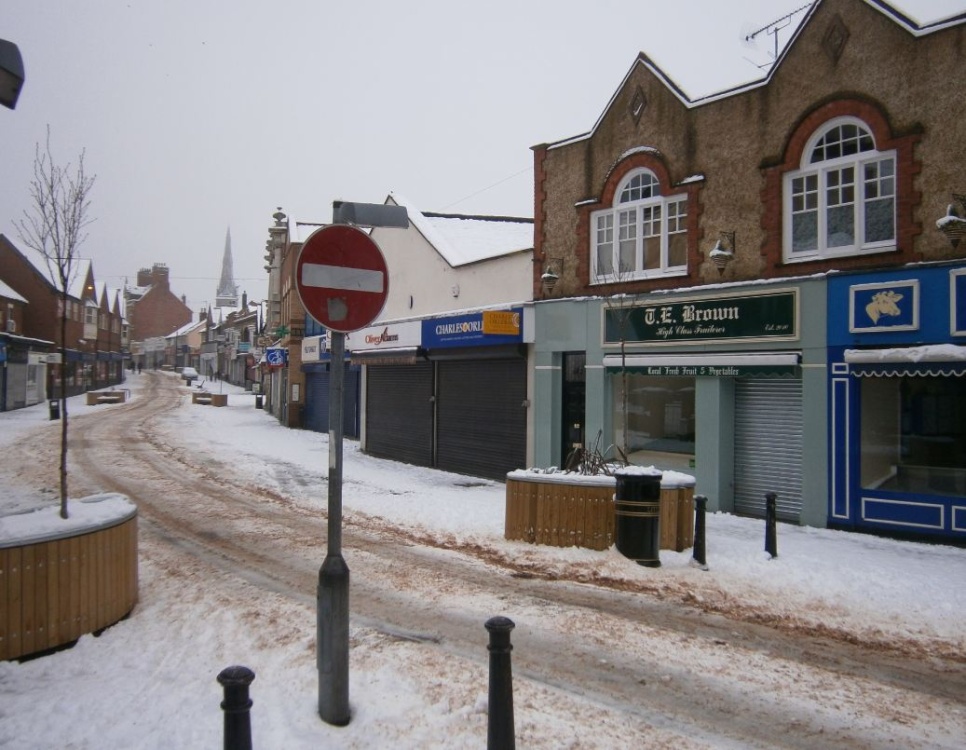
[(11, 74), (723, 251), (552, 268), (953, 224)]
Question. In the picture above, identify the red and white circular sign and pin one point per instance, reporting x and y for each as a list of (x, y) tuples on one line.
[(341, 278)]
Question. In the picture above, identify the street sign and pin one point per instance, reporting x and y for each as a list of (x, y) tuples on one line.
[(341, 277), (370, 214), (275, 356)]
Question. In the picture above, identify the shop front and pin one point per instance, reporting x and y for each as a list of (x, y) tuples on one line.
[(316, 367), (898, 402), (447, 392), (725, 386), (23, 371)]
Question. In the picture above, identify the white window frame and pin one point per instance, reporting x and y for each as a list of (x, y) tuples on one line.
[(637, 208), (823, 190)]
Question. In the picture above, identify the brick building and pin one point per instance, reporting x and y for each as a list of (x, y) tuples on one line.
[(94, 331), (153, 312), (690, 244)]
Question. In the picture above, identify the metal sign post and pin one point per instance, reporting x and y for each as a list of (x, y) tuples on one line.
[(332, 612), (342, 280)]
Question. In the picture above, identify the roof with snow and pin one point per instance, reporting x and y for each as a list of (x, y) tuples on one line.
[(918, 17), (462, 240), (8, 292)]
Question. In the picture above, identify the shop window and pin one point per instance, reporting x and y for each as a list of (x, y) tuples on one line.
[(914, 435), (842, 199), (644, 235), (659, 419)]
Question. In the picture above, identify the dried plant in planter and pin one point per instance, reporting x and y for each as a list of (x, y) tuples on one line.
[(593, 462)]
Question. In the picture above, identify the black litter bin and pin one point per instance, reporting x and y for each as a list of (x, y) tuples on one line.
[(258, 401), (54, 409), (637, 518)]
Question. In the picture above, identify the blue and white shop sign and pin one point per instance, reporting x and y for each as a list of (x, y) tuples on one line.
[(485, 328)]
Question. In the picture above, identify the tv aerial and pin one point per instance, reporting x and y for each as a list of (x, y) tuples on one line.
[(750, 36)]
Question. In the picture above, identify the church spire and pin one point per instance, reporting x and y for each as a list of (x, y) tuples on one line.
[(227, 295)]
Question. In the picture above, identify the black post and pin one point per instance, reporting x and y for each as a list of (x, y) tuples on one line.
[(700, 508), (500, 734), (238, 726), (771, 537)]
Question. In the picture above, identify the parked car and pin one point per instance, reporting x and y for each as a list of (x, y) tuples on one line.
[(189, 374)]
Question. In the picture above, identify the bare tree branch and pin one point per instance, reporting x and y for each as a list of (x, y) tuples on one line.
[(54, 227)]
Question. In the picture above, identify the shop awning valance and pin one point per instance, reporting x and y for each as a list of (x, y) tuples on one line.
[(935, 360), (721, 364)]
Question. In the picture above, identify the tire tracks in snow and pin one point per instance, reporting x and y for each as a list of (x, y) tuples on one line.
[(722, 681)]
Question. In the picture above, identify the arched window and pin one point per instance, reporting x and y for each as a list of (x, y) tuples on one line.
[(842, 199), (643, 235)]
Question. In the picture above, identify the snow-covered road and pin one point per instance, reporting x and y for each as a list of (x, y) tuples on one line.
[(600, 660)]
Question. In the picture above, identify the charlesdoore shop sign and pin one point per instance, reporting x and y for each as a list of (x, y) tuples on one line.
[(489, 328), (757, 316)]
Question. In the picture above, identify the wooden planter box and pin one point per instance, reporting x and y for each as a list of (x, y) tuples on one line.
[(561, 510), (55, 589), (106, 397), (214, 399), (547, 509)]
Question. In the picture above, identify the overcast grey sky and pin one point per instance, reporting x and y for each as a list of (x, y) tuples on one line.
[(200, 115)]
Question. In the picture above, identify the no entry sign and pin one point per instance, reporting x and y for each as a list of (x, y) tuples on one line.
[(341, 277)]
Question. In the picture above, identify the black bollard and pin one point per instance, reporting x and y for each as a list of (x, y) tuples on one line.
[(500, 734), (771, 536), (238, 726), (700, 508)]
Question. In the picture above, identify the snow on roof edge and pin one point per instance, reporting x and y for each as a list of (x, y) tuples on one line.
[(915, 28)]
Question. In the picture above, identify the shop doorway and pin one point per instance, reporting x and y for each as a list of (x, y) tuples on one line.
[(573, 408)]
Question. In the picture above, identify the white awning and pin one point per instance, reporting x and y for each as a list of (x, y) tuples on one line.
[(934, 360), (907, 354)]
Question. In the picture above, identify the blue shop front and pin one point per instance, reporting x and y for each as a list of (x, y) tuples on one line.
[(897, 399), (316, 369)]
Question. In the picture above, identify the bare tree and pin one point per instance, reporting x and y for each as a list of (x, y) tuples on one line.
[(54, 227)]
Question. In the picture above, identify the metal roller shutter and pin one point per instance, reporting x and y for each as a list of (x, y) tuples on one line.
[(768, 445), (399, 412), (316, 414), (481, 420)]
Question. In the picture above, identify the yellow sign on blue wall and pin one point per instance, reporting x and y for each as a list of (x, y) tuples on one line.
[(892, 306)]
